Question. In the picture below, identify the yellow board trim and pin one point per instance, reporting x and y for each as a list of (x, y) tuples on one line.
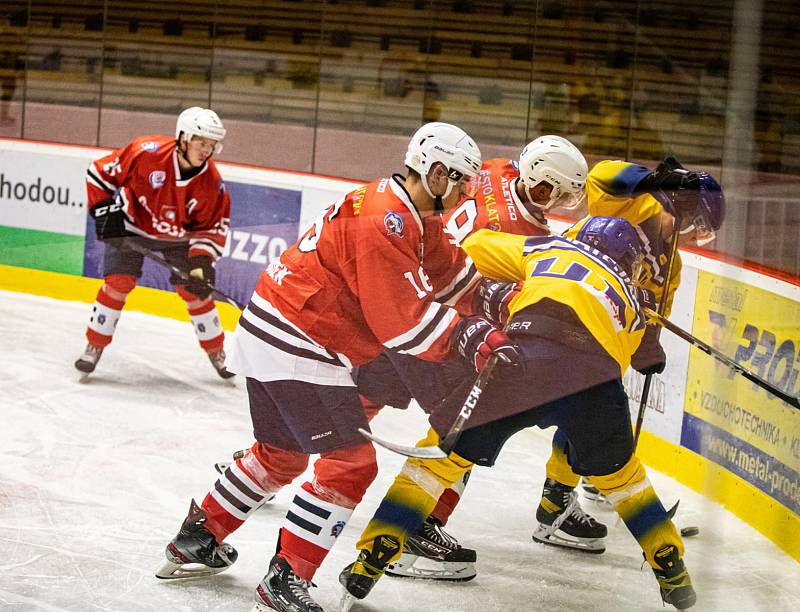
[(772, 519), (80, 289)]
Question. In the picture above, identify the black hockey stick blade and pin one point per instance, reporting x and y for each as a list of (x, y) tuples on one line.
[(671, 512), (792, 400), (417, 452)]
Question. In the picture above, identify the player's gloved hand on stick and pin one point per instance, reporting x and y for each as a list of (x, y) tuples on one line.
[(201, 275), (491, 299), (649, 358), (476, 339), (109, 220), (671, 176)]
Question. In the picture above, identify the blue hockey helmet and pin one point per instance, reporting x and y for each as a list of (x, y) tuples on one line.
[(700, 209), (617, 238)]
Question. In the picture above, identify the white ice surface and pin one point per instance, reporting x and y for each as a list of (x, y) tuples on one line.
[(96, 478)]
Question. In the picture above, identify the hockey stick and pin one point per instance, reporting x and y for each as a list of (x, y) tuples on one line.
[(792, 400), (143, 250), (662, 306), (450, 439)]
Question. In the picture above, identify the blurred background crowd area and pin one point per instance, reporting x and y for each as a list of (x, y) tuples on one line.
[(336, 87)]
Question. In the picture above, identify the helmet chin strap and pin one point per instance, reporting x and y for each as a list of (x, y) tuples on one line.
[(182, 151), (438, 203)]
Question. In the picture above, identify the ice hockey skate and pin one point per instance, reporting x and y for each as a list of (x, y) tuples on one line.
[(590, 492), (194, 552), (217, 360), (432, 553), (87, 362), (282, 590), (562, 521), (673, 579), (358, 578)]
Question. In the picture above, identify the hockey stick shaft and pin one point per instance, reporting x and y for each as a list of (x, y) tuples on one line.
[(662, 307), (721, 357), (183, 275), (450, 439)]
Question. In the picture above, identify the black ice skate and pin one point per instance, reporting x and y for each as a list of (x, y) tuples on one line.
[(358, 578), (673, 579), (433, 553), (591, 492), (87, 362), (562, 522), (282, 590), (217, 359), (194, 552)]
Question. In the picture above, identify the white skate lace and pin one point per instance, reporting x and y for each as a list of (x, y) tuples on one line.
[(299, 588), (577, 512), (435, 533)]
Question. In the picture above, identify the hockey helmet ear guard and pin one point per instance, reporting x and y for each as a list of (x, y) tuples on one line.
[(446, 144), (203, 122), (559, 163), (616, 238)]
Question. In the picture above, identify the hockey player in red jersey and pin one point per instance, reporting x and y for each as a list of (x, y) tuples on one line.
[(512, 196), (166, 195), (352, 286)]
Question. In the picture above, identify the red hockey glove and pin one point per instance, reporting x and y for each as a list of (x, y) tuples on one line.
[(476, 340), (491, 299)]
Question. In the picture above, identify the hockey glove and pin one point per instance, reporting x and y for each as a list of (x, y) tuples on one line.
[(201, 275), (491, 299), (647, 299), (668, 176), (476, 339), (109, 220), (649, 358)]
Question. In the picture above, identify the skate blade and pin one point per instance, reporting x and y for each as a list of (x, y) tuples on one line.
[(83, 377), (173, 571), (347, 601), (411, 566), (594, 547)]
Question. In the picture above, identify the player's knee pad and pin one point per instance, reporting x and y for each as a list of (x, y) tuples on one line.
[(343, 476), (623, 484), (271, 467), (118, 286)]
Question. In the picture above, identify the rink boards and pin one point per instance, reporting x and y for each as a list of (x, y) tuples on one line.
[(704, 426)]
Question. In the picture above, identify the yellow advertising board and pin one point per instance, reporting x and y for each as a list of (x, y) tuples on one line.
[(728, 419)]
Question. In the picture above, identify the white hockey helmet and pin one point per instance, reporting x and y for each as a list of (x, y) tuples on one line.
[(559, 163), (448, 144), (203, 122)]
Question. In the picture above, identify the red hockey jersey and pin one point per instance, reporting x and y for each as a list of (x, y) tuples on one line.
[(496, 206), (157, 203), (353, 284)]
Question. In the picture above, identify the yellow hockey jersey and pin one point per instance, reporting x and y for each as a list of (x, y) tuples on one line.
[(568, 272), (609, 191)]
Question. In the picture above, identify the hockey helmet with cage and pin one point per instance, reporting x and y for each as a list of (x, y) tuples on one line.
[(700, 208), (559, 163), (616, 238), (448, 144), (203, 122)]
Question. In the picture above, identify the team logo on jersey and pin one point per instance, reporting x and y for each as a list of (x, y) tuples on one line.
[(150, 146), (337, 529), (394, 224), (157, 178)]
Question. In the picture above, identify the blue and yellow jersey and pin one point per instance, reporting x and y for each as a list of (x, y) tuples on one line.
[(610, 188), (568, 272)]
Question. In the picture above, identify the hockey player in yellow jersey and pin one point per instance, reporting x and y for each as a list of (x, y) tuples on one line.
[(577, 312)]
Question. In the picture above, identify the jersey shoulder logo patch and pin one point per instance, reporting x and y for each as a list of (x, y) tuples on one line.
[(394, 224), (150, 146), (157, 178)]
